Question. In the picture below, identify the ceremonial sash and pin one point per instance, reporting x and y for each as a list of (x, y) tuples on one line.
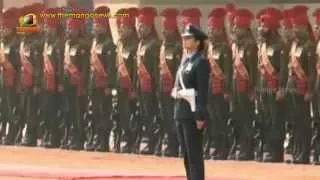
[(239, 68), (294, 65), (318, 62), (144, 76), (8, 69), (216, 73), (125, 79), (72, 70), (49, 72), (26, 69), (265, 64), (97, 67), (165, 74)]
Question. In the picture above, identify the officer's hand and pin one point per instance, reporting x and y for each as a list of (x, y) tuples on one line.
[(107, 92), (36, 90), (200, 124), (60, 88), (307, 97), (279, 96)]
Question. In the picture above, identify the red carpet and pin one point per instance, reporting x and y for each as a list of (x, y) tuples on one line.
[(34, 172)]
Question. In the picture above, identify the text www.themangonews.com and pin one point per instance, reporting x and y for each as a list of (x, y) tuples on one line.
[(80, 15)]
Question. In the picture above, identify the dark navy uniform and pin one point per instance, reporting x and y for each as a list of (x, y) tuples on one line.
[(195, 70)]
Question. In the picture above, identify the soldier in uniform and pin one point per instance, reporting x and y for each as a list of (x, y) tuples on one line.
[(170, 56), (220, 87), (126, 76), (76, 70), (245, 60), (30, 83), (301, 81), (10, 67), (102, 80), (148, 73), (316, 107), (272, 67), (52, 77)]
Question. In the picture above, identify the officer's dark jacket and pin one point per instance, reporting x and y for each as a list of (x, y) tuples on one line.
[(106, 52), (195, 74)]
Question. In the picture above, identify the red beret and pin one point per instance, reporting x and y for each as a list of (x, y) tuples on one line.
[(270, 17), (216, 18), (316, 14), (191, 16), (300, 10), (10, 18), (101, 19), (52, 22), (170, 18), (147, 15), (243, 18)]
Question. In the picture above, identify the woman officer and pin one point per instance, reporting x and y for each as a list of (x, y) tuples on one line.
[(192, 81)]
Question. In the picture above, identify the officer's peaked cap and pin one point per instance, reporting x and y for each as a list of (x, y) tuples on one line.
[(195, 32)]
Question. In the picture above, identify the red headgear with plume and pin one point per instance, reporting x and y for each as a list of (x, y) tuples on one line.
[(170, 18), (102, 13), (243, 18), (216, 18), (191, 16), (230, 9), (147, 15)]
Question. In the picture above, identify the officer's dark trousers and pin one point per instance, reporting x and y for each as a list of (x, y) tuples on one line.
[(166, 109), (101, 111), (50, 110), (302, 132), (273, 127), (29, 108), (126, 107), (9, 115), (190, 139), (74, 107), (243, 117), (149, 112), (218, 109)]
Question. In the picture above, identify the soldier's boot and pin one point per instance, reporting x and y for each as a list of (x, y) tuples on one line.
[(93, 143), (104, 137), (158, 146), (232, 152), (76, 142), (246, 152), (117, 140), (150, 148), (12, 133), (172, 149), (31, 135), (45, 139), (53, 141), (3, 132), (127, 148)]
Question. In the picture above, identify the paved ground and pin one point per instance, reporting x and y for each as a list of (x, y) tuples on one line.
[(149, 165)]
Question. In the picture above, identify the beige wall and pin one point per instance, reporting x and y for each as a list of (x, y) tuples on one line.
[(18, 3)]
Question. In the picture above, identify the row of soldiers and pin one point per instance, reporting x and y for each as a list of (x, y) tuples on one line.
[(261, 87)]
